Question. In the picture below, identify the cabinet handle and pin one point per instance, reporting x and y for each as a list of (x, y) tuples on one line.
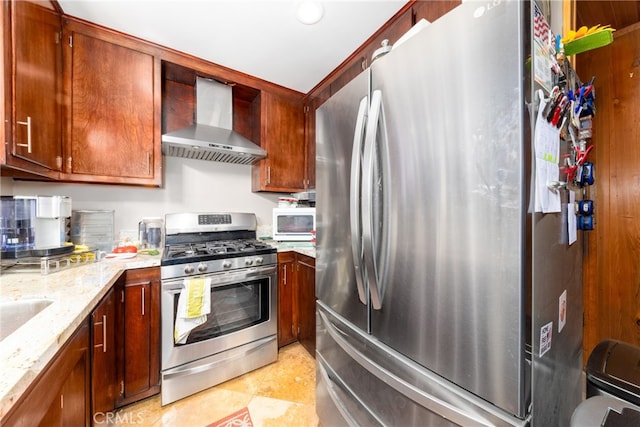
[(148, 163), (121, 388), (69, 161), (284, 270), (268, 175), (104, 333), (28, 125), (143, 301)]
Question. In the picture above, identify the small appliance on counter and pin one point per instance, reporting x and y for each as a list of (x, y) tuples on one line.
[(150, 233), (17, 223), (294, 224), (53, 222), (34, 226)]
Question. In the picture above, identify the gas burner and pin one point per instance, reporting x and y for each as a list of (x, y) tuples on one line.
[(179, 251), (216, 249), (202, 239)]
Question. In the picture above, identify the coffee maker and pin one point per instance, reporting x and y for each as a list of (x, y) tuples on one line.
[(34, 226), (52, 221)]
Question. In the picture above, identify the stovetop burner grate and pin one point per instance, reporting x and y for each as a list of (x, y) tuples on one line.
[(216, 249), (208, 237)]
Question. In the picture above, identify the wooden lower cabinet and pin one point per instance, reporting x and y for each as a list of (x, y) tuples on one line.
[(106, 324), (60, 396), (287, 329), (139, 364), (306, 287), (296, 300), (111, 360)]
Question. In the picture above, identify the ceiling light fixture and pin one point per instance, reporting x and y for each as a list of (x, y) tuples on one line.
[(310, 12)]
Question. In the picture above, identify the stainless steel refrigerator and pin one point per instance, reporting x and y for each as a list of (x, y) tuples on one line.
[(439, 287)]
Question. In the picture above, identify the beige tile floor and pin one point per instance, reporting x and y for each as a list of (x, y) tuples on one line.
[(278, 395)]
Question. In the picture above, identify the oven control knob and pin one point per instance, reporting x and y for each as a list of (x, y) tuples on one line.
[(259, 260), (226, 264), (189, 269), (248, 261), (202, 268)]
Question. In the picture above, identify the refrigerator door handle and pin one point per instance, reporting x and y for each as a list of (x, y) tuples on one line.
[(430, 402), (355, 205), (367, 199)]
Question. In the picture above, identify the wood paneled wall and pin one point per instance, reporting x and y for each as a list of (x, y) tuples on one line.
[(612, 258)]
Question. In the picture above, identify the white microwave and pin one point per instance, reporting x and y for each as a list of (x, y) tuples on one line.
[(294, 224)]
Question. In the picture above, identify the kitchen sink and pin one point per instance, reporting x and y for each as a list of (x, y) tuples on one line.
[(14, 314)]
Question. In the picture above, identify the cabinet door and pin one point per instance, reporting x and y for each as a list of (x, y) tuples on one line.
[(113, 125), (282, 136), (74, 400), (37, 75), (141, 367), (287, 329), (306, 292), (60, 394), (69, 404), (432, 10), (104, 321)]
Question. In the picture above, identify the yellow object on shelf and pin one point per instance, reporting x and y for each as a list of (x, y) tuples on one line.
[(595, 40)]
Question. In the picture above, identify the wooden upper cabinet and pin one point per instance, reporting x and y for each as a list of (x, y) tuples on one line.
[(432, 10), (282, 136), (113, 92), (33, 65), (310, 146)]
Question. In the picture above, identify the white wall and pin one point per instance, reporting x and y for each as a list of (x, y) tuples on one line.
[(189, 186)]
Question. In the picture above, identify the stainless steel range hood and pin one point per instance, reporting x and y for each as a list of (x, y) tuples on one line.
[(212, 137)]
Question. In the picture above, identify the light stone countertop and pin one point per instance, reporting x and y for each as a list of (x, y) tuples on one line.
[(302, 248), (75, 292)]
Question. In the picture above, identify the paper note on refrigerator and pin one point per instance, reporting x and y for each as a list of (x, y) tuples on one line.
[(545, 338), (562, 311), (547, 151)]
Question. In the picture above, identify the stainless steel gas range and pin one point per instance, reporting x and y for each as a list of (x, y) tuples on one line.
[(239, 333)]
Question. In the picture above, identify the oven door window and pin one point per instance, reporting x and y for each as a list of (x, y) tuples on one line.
[(233, 307)]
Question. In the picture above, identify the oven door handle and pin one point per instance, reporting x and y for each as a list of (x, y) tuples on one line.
[(179, 372), (222, 278)]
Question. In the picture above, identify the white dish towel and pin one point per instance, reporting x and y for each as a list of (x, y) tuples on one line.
[(194, 303)]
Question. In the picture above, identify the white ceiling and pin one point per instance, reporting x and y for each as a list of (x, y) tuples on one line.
[(261, 38)]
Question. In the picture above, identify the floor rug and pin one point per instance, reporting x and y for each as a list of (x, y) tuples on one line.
[(240, 418)]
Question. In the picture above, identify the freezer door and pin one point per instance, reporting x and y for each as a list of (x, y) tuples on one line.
[(361, 383), (453, 292), (340, 124)]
